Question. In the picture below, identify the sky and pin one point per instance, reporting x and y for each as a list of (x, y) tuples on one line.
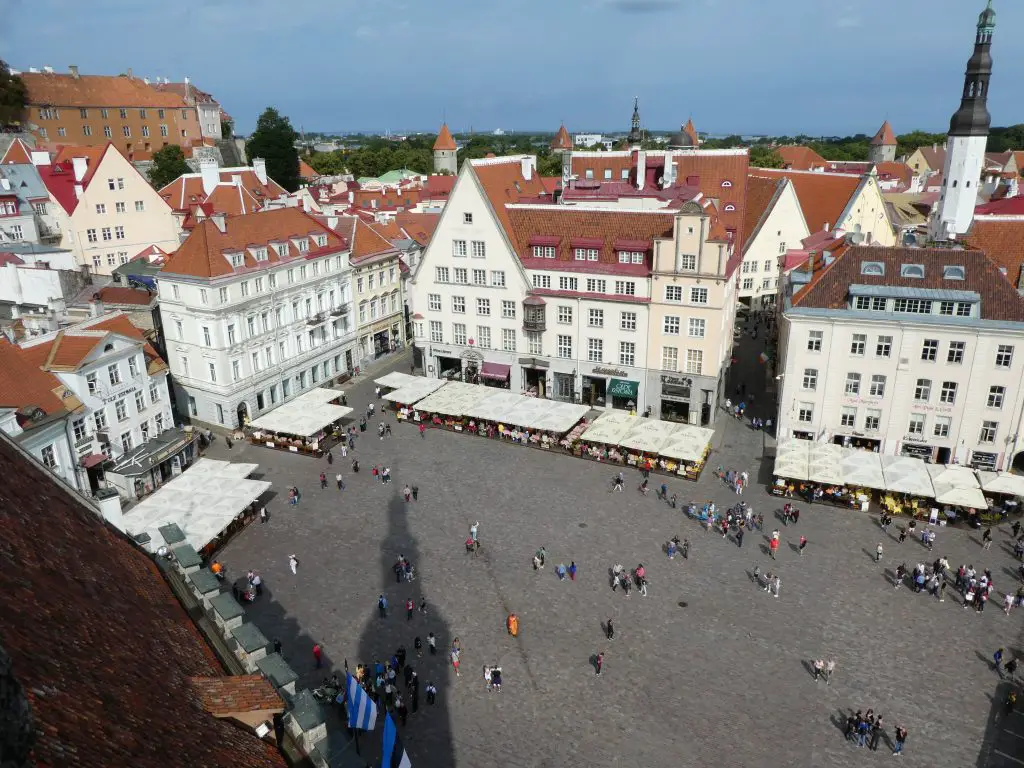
[(820, 67)]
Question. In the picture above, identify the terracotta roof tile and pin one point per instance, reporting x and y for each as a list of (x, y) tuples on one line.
[(439, 185), (561, 140), (418, 226), (1005, 206), (306, 171), (105, 662), (761, 191), (935, 157), (223, 696), (800, 158), (444, 139), (23, 384), (17, 152), (829, 288), (1002, 240), (116, 294), (885, 136), (95, 91), (691, 131), (367, 242), (67, 350), (503, 182), (202, 254), (823, 196), (895, 170), (187, 190)]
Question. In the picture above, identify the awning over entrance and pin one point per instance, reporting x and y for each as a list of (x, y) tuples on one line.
[(496, 371), (623, 388), (92, 460)]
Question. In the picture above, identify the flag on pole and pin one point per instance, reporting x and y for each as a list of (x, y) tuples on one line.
[(394, 754), (362, 712)]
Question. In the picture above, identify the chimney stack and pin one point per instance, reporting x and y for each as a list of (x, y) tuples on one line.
[(219, 221), (527, 167), (259, 167), (641, 168), (211, 174), (80, 165), (129, 73), (73, 69)]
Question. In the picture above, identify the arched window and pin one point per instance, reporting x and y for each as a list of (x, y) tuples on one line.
[(730, 207), (726, 183), (954, 183), (970, 89)]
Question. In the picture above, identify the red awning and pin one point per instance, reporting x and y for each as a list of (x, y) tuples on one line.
[(93, 459), (534, 301), (496, 371)]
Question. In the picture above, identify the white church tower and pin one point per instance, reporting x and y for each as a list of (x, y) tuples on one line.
[(968, 137)]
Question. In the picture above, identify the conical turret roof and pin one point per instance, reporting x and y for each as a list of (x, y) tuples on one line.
[(444, 139)]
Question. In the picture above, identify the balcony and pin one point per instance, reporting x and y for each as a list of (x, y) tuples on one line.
[(318, 319), (534, 324), (340, 311)]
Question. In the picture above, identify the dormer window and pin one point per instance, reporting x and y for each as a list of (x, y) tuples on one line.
[(543, 251), (726, 184), (281, 249), (260, 254), (912, 270), (954, 273), (631, 257), (302, 244), (237, 260), (872, 268), (729, 208), (321, 241)]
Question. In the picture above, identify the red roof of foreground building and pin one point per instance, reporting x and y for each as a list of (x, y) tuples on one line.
[(885, 136), (187, 190), (104, 652), (23, 384), (444, 139), (18, 152), (418, 226), (1008, 206), (823, 196), (1002, 240), (503, 182), (68, 349), (761, 191), (800, 158)]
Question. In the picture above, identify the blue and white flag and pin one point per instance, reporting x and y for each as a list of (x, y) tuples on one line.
[(362, 712), (394, 754)]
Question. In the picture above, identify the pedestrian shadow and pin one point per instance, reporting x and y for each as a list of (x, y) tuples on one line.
[(794, 546), (765, 549), (974, 540), (838, 719), (593, 662), (809, 666), (889, 576), (754, 578), (986, 660), (870, 555), (1012, 573)]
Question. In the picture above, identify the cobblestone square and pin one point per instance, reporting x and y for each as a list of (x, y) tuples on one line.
[(705, 670)]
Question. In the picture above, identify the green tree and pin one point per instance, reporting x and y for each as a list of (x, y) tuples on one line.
[(168, 164), (327, 163), (763, 156), (908, 142), (13, 95), (549, 164), (227, 129), (274, 140)]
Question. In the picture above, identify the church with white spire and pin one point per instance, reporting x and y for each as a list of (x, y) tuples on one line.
[(968, 138)]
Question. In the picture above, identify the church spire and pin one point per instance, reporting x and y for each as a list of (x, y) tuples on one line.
[(973, 119), (634, 130)]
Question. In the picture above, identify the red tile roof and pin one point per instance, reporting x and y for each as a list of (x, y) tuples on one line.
[(418, 226), (64, 90), (306, 171), (23, 384), (102, 649), (59, 179), (823, 196), (691, 131), (439, 185), (444, 139), (935, 157), (18, 152), (151, 253), (885, 136), (202, 254), (115, 294), (223, 696), (503, 182), (800, 158), (68, 349), (761, 191), (187, 190), (900, 172), (551, 183), (7, 257), (1007, 206), (1002, 240), (561, 140), (829, 287), (367, 243)]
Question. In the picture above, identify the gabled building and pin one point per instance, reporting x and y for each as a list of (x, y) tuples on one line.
[(105, 209), (800, 158), (904, 351), (773, 223), (24, 204), (379, 289), (839, 201), (255, 310)]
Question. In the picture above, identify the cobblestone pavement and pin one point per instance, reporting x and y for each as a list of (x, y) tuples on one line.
[(706, 670)]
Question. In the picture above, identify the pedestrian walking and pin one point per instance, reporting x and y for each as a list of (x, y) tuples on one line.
[(382, 606), (776, 585), (903, 535), (876, 733), (900, 740), (986, 539), (387, 430), (1015, 528), (293, 563), (830, 667), (1011, 667), (878, 552), (318, 655), (803, 545), (773, 547), (341, 483), (410, 608), (263, 514), (572, 570), (330, 456), (407, 493), (277, 645), (739, 537), (455, 661), (423, 430), (415, 493), (609, 630), (431, 693), (432, 643), (599, 662), (323, 481), (997, 661), (819, 669)]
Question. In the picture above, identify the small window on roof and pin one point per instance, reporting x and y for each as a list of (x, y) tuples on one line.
[(953, 273), (912, 270), (108, 348), (726, 183), (730, 207), (872, 268)]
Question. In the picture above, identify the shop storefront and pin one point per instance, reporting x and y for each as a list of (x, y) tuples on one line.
[(604, 387), (984, 461), (594, 391), (675, 398), (158, 460), (536, 379), (565, 387), (855, 440), (495, 375), (623, 393)]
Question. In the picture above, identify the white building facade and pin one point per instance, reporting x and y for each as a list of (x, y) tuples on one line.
[(256, 309), (932, 370)]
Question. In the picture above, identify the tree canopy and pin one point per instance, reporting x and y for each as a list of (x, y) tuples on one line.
[(274, 140), (763, 156), (168, 164), (13, 95)]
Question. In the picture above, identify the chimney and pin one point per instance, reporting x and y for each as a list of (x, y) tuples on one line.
[(219, 221), (210, 173), (527, 167), (669, 177), (332, 222), (641, 168), (305, 203), (129, 73), (145, 80), (96, 307), (80, 166), (78, 191), (73, 69), (40, 158), (259, 167)]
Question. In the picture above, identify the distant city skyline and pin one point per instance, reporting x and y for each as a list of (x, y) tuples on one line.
[(749, 68)]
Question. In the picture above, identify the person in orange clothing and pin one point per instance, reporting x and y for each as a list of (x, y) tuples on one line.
[(513, 625)]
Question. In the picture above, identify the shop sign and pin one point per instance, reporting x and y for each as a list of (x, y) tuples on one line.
[(674, 398), (533, 362), (622, 388), (442, 352), (677, 380), (913, 439), (472, 356), (601, 371), (123, 393)]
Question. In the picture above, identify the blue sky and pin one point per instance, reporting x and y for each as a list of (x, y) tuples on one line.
[(734, 66)]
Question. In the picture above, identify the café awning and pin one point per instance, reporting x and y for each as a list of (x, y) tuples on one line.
[(792, 458), (395, 380), (495, 371), (623, 388), (905, 474), (1002, 482)]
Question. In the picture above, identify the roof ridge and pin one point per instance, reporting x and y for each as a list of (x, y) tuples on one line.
[(53, 350)]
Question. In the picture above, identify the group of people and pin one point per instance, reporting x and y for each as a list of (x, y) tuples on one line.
[(866, 730), (621, 577)]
